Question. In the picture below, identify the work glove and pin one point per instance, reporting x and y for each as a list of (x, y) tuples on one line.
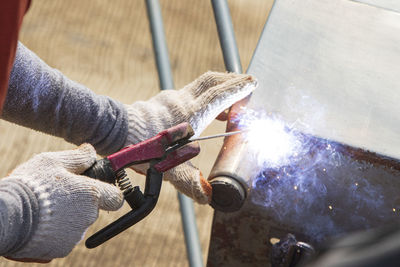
[(198, 103), (68, 202), (85, 117)]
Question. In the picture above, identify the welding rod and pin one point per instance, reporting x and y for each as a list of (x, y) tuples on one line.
[(217, 135)]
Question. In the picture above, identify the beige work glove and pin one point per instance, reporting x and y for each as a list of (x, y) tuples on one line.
[(68, 202), (198, 103)]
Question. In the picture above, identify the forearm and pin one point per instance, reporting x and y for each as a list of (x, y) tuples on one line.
[(42, 98), (19, 212)]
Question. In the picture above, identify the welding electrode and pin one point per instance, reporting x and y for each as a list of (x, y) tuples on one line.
[(216, 136)]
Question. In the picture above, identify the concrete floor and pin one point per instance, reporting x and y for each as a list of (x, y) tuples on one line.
[(106, 45)]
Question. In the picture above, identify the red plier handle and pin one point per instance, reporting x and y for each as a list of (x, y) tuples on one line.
[(159, 147), (164, 151)]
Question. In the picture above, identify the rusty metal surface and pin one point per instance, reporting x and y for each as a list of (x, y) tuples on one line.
[(331, 69), (334, 189)]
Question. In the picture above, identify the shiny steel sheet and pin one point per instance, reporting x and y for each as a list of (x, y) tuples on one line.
[(331, 68)]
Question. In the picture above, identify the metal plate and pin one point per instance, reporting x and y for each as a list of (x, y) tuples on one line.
[(393, 5), (331, 68), (334, 66)]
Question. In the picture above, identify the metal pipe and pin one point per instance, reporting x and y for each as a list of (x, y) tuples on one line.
[(159, 44), (226, 36), (229, 187), (192, 241)]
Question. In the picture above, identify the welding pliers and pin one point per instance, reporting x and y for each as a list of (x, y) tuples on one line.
[(162, 152)]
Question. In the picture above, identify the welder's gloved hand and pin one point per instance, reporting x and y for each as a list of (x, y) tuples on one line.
[(198, 103), (68, 203)]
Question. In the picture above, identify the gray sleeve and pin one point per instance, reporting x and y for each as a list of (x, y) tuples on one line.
[(19, 215), (42, 98)]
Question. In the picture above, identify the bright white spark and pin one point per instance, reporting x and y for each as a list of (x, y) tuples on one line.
[(270, 141)]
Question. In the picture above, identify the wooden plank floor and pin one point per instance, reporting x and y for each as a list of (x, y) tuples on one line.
[(106, 45)]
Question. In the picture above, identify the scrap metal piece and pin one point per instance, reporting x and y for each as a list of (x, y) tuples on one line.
[(289, 252)]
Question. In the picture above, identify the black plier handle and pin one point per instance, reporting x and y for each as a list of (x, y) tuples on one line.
[(164, 151)]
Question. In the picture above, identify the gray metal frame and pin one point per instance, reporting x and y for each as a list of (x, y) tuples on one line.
[(226, 36), (188, 216), (232, 64)]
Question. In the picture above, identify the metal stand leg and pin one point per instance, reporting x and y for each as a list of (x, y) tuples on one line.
[(193, 247), (226, 36)]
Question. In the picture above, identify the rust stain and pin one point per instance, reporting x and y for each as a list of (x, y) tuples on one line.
[(242, 238)]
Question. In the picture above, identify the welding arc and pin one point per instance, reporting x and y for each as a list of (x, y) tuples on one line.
[(216, 136)]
